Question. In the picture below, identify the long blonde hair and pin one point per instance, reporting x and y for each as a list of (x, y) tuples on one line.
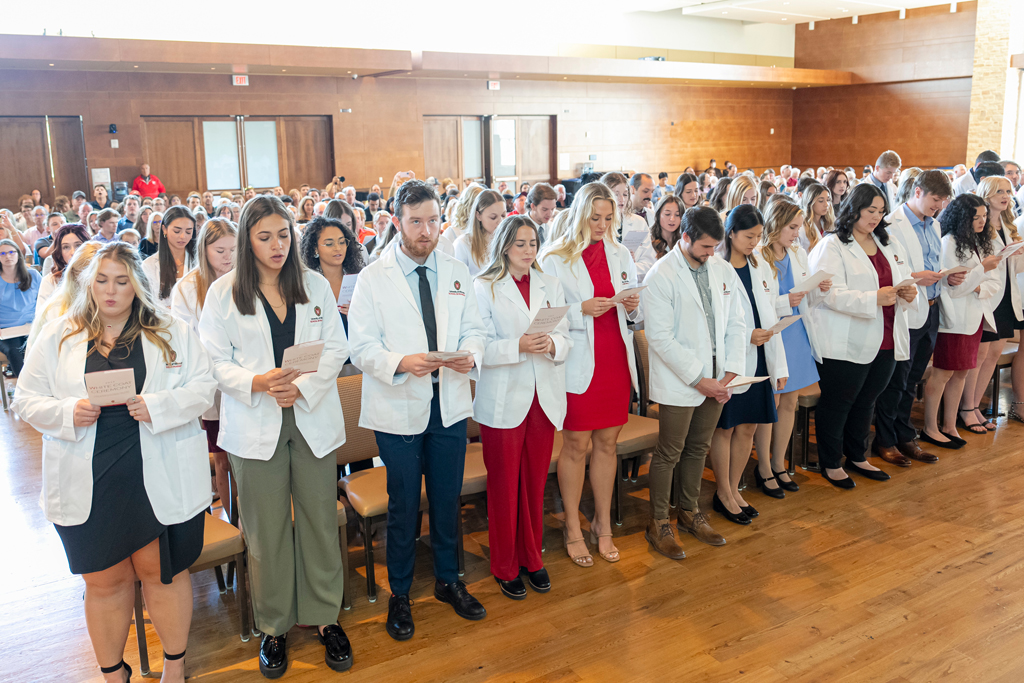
[(779, 213), (63, 296), (145, 317), (986, 188), (504, 237), (576, 234), (478, 237), (557, 226), (460, 217), (203, 273), (737, 188), (828, 220)]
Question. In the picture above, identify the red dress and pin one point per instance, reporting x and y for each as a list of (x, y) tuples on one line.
[(605, 403)]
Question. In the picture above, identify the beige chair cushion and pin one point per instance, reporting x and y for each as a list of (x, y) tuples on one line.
[(360, 443), (367, 491), (653, 411), (808, 396), (1009, 353), (475, 478), (221, 541), (638, 434)]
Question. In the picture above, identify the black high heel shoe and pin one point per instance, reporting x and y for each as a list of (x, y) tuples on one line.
[(122, 665), (760, 481), (719, 507), (787, 485)]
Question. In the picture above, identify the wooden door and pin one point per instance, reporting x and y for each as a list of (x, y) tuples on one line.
[(536, 149), (170, 147), (441, 140), (25, 165), (305, 146), (67, 150)]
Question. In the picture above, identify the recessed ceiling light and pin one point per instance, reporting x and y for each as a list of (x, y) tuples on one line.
[(724, 12), (51, 65), (136, 66), (283, 70), (785, 19), (348, 72), (213, 68), (845, 10)]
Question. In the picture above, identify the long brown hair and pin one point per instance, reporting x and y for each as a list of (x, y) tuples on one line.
[(212, 230), (662, 247), (779, 213), (20, 269), (503, 239), (478, 239), (145, 317), (828, 221), (246, 287), (168, 268)]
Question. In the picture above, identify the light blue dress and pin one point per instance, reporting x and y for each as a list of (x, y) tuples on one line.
[(802, 370)]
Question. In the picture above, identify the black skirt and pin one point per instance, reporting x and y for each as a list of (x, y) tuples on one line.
[(121, 520), (1005, 318)]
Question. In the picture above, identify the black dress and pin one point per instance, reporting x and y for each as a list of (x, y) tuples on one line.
[(757, 404), (121, 520)]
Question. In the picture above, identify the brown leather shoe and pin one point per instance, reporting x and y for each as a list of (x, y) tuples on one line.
[(663, 539), (913, 450), (696, 524), (891, 455)]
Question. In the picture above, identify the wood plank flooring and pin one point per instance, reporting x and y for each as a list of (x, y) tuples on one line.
[(913, 580)]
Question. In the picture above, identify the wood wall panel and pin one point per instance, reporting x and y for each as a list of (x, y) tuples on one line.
[(925, 122), (171, 146), (24, 167), (441, 140), (307, 157), (535, 162), (68, 149)]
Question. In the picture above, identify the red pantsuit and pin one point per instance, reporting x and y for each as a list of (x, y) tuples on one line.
[(517, 463)]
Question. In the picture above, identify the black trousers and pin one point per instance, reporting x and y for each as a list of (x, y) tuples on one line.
[(842, 420), (892, 409)]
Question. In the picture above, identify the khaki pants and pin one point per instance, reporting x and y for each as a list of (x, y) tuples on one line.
[(296, 572), (684, 438)]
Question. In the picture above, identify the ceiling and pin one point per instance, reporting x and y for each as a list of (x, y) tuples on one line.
[(782, 11)]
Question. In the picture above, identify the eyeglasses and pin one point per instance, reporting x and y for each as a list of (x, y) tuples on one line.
[(5, 254)]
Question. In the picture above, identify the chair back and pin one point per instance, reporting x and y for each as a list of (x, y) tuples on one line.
[(643, 368), (360, 443)]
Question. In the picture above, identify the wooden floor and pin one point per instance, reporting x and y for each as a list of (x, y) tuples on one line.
[(916, 579)]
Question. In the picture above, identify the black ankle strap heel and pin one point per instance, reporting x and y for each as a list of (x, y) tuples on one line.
[(172, 658), (120, 665)]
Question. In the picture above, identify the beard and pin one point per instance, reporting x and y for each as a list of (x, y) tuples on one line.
[(416, 249), (698, 259)]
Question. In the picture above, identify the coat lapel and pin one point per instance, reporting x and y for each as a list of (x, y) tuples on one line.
[(538, 293), (510, 290), (397, 277), (441, 298), (687, 277)]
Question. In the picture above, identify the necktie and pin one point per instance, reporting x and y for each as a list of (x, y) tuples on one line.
[(427, 308)]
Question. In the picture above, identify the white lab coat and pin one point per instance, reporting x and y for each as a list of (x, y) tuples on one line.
[(151, 267), (645, 257), (46, 288), (578, 287), (901, 229), (1016, 268), (175, 462), (678, 338), (385, 325), (446, 241), (241, 348), (461, 252), (801, 271), (509, 379), (964, 184), (774, 353), (632, 223), (184, 305), (848, 316), (963, 309)]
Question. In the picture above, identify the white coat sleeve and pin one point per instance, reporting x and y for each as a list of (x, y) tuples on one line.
[(366, 336), (656, 302), (556, 267), (34, 401), (497, 351), (232, 378), (853, 302), (631, 281), (972, 278), (472, 333), (737, 336), (315, 385), (180, 307), (645, 258), (170, 408), (560, 335)]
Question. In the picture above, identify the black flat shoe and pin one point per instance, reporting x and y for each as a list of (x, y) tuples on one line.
[(538, 580), (456, 595), (787, 485), (719, 507), (760, 481), (838, 483), (273, 656), (951, 445), (750, 511), (874, 475), (512, 589), (122, 665), (337, 649), (399, 624), (954, 438)]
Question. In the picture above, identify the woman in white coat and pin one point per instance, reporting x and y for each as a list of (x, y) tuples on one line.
[(787, 266), (965, 310), (281, 429), (216, 257), (816, 204), (628, 221), (125, 485), (592, 268), (663, 234), (751, 405), (472, 247), (864, 326), (175, 256), (520, 402), (459, 221)]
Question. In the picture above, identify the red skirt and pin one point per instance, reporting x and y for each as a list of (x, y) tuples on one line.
[(957, 352), (605, 403)]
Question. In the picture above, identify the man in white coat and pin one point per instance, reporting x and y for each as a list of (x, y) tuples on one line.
[(886, 168), (914, 226), (698, 342), (410, 303), (540, 205), (968, 182)]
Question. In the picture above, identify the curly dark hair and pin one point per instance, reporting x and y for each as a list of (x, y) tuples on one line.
[(353, 262), (957, 219), (855, 201)]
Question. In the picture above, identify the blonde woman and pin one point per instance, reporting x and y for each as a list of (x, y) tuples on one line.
[(150, 242), (487, 212), (520, 402), (787, 263), (1005, 303), (742, 190), (215, 257), (593, 267), (60, 301), (460, 221), (133, 484), (664, 234), (905, 187), (816, 205), (306, 210)]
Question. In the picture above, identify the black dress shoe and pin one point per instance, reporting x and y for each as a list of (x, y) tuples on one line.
[(760, 481), (337, 649), (719, 507), (399, 624), (787, 485), (273, 656), (876, 475), (512, 589), (456, 595), (749, 510), (955, 439), (538, 580), (838, 483), (951, 445)]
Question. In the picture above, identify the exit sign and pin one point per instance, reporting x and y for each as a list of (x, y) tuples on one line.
[(240, 79), (493, 85)]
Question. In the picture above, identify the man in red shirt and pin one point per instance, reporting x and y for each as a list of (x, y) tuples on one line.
[(147, 185)]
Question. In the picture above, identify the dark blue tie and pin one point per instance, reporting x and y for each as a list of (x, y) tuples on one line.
[(427, 308)]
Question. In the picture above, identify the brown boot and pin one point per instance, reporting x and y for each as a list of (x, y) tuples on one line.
[(696, 524), (663, 539)]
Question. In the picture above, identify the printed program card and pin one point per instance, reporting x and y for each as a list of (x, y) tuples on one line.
[(546, 320), (303, 357), (110, 387)]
